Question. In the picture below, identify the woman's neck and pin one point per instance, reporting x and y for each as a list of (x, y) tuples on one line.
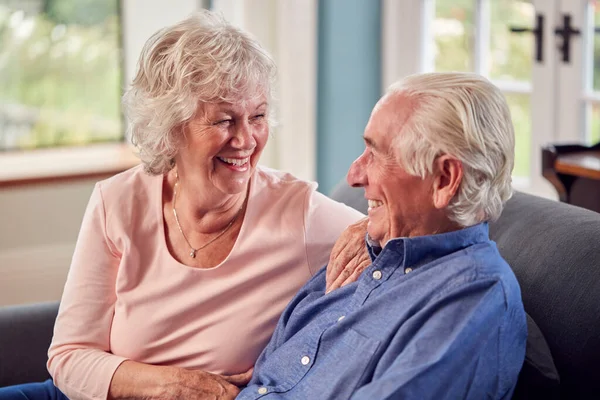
[(205, 212)]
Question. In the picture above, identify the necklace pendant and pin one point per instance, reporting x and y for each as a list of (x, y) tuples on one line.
[(193, 253)]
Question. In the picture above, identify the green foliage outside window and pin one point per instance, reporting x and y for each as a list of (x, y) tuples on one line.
[(60, 73), (509, 58)]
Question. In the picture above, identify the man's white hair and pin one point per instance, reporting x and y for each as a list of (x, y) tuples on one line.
[(202, 59), (463, 115)]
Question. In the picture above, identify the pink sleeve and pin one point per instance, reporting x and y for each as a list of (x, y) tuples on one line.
[(325, 220), (79, 358)]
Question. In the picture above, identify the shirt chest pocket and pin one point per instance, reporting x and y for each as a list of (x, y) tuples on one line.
[(342, 363)]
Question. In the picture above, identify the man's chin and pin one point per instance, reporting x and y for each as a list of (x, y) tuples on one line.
[(374, 236)]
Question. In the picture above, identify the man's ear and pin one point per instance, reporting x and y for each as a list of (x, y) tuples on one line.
[(448, 176)]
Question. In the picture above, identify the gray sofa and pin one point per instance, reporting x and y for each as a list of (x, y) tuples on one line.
[(554, 249), (25, 334)]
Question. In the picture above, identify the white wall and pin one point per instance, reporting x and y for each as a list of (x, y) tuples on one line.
[(38, 228)]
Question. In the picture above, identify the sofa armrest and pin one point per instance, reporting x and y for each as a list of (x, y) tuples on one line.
[(25, 335)]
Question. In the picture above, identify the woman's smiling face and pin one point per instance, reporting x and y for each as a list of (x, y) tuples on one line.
[(223, 144)]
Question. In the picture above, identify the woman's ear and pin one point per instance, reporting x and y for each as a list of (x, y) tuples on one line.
[(448, 176)]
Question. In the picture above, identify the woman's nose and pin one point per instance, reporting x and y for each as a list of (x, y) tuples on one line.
[(244, 138)]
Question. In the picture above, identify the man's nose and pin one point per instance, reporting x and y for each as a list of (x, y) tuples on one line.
[(356, 174)]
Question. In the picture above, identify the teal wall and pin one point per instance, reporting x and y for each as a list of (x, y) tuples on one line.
[(349, 82)]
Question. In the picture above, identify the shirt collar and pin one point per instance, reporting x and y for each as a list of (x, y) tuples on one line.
[(420, 250)]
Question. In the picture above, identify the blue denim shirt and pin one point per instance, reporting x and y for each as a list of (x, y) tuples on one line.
[(433, 317)]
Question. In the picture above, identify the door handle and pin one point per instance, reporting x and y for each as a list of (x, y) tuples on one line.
[(566, 32), (538, 34)]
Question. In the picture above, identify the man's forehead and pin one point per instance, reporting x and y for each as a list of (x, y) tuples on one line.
[(387, 118), (389, 115)]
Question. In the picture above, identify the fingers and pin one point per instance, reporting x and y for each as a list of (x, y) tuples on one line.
[(239, 379), (341, 276), (353, 231), (352, 272), (342, 260), (334, 269), (344, 263), (356, 274), (334, 266)]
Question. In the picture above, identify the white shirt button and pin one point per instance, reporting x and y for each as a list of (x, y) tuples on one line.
[(341, 318), (408, 270), (262, 390), (305, 360), (377, 275)]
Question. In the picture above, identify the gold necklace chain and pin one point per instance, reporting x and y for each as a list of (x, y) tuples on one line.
[(192, 249)]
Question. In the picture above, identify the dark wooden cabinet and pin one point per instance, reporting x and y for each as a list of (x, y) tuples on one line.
[(574, 170)]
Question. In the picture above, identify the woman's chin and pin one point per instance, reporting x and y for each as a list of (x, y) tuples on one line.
[(234, 185), (232, 181)]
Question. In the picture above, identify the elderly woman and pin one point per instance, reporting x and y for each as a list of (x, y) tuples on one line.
[(184, 264)]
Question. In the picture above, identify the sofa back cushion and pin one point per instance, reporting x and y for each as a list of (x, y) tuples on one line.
[(554, 250)]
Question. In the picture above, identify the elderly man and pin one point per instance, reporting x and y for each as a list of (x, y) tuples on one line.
[(438, 313)]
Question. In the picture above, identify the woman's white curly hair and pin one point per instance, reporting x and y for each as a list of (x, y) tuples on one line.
[(466, 116), (202, 59)]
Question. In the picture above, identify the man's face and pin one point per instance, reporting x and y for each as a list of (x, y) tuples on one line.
[(400, 205)]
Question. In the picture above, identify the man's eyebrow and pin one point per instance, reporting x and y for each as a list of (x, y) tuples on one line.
[(370, 142)]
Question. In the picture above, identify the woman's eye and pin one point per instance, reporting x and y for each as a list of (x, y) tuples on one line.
[(224, 122), (258, 117)]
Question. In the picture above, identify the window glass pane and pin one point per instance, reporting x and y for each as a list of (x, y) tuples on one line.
[(453, 32), (520, 110), (60, 72), (596, 79), (594, 124), (511, 54)]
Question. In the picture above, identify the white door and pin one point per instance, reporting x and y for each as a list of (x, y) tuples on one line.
[(579, 72), (514, 44)]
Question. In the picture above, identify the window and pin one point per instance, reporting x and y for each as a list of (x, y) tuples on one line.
[(498, 39), (477, 38), (60, 73)]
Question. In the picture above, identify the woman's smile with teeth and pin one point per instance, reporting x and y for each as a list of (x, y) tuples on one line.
[(239, 162), (374, 204)]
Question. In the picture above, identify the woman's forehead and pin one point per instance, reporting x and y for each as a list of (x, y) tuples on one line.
[(239, 105)]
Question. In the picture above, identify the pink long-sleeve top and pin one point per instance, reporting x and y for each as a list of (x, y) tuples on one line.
[(126, 297)]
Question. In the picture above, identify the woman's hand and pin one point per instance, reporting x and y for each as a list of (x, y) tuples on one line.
[(349, 257), (133, 380), (239, 380), (202, 386)]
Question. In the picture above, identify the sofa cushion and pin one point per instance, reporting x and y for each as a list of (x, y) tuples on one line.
[(538, 378), (25, 335)]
